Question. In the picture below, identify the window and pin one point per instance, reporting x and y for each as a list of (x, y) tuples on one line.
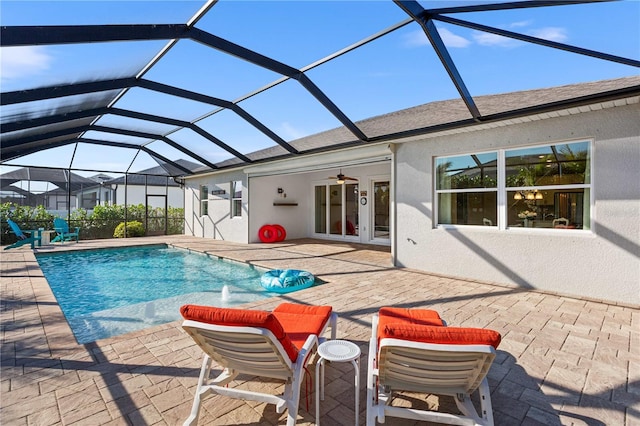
[(204, 200), (545, 186), (467, 189), (236, 198), (549, 186)]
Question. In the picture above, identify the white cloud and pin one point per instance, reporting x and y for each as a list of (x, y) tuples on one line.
[(520, 24), (452, 40), (418, 38), (291, 133), (489, 39), (415, 39), (550, 33), (23, 61)]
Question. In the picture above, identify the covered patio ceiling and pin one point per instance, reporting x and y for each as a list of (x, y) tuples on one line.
[(128, 85)]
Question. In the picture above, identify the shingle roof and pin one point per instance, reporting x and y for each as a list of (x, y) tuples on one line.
[(451, 113)]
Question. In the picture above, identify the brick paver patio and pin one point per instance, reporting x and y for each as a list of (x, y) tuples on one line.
[(562, 360)]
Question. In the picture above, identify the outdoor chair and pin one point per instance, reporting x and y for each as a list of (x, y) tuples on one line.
[(413, 350), (23, 239), (560, 222), (271, 345), (62, 230)]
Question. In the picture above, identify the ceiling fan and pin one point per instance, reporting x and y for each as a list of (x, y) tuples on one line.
[(340, 179)]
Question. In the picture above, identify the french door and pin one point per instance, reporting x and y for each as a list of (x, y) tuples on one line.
[(336, 210), (380, 210)]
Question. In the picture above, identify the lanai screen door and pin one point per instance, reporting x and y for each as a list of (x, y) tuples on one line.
[(156, 217)]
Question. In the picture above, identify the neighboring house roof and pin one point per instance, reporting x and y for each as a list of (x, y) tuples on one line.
[(156, 176), (454, 115), (58, 177)]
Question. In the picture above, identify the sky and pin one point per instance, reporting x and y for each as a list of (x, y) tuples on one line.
[(396, 71)]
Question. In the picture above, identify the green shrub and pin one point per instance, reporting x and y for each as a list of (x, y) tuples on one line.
[(134, 229)]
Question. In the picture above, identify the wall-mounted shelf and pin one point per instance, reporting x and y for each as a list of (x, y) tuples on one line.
[(285, 204)]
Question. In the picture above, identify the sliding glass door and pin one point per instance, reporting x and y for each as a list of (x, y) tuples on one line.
[(336, 209)]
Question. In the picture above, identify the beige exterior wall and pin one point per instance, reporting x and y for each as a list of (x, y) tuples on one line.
[(218, 224), (603, 263)]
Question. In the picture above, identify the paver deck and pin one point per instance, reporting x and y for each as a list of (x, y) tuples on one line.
[(562, 360)]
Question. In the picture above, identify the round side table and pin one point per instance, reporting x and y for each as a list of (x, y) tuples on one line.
[(337, 351)]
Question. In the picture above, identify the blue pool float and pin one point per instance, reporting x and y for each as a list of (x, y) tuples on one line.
[(286, 280)]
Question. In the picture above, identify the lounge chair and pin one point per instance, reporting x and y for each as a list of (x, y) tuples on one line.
[(272, 345), (62, 230), (413, 350), (23, 239)]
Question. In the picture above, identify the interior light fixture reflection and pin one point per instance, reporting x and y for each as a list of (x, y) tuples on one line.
[(535, 195)]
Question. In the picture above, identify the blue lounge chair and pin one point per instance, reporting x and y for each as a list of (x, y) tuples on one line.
[(62, 229), (23, 239)]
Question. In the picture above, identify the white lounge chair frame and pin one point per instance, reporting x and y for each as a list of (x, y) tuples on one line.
[(250, 351), (454, 370)]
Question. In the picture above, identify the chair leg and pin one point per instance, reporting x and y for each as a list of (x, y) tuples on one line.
[(192, 420), (293, 403), (463, 401), (195, 408), (485, 402), (371, 417)]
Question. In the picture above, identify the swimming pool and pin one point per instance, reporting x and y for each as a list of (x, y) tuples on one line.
[(109, 292)]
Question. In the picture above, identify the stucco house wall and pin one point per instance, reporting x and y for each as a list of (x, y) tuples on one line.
[(602, 263), (218, 224), (295, 210), (292, 211)]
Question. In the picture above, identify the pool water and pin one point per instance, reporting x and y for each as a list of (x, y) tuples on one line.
[(109, 292)]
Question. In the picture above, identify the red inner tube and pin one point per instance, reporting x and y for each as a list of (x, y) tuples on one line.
[(282, 233), (268, 234)]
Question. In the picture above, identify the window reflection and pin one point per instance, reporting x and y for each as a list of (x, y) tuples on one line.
[(467, 171), (550, 186), (549, 165), (546, 187)]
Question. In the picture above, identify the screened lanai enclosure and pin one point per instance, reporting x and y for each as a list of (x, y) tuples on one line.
[(107, 106)]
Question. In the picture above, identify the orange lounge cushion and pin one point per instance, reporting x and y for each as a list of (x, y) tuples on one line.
[(426, 326), (295, 308), (441, 335), (300, 321), (241, 318), (389, 315)]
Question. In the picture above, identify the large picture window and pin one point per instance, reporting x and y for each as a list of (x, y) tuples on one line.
[(545, 186)]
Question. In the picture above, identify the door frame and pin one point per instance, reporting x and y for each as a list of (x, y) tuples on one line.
[(370, 234)]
